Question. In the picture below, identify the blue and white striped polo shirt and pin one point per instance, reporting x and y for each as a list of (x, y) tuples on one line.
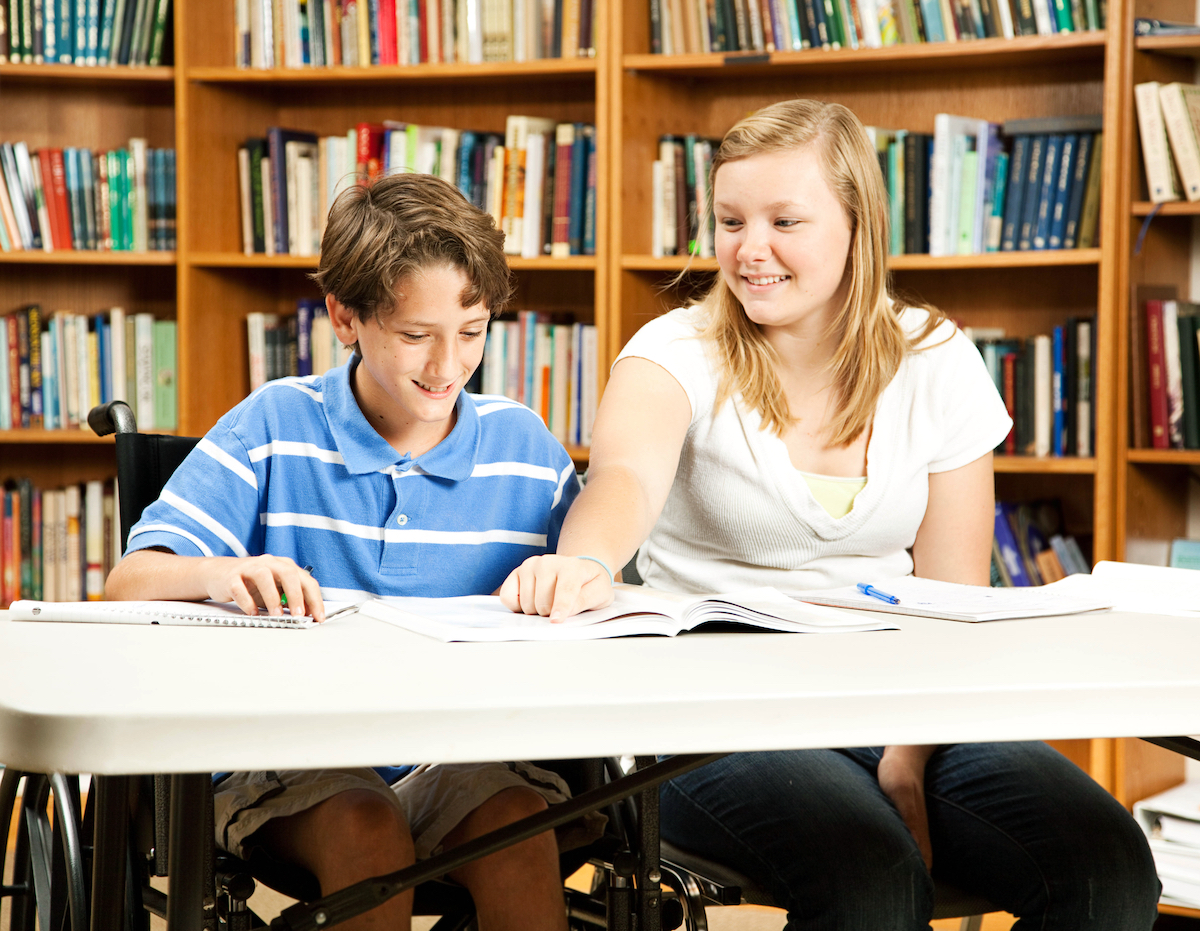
[(296, 470)]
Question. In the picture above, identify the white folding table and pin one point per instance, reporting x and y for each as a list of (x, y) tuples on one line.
[(122, 699)]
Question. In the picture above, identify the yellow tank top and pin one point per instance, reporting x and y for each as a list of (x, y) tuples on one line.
[(834, 493)]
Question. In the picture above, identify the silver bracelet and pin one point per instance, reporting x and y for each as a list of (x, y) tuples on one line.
[(601, 564)]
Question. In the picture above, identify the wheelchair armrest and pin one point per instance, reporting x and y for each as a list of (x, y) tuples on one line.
[(113, 417)]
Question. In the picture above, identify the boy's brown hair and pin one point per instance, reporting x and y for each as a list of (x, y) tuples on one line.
[(379, 234)]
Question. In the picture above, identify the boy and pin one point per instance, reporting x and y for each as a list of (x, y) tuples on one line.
[(389, 479)]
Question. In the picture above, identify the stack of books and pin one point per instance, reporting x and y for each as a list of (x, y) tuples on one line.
[(56, 369), (1171, 821), (691, 26), (538, 180), (122, 200), (1169, 126), (357, 33), (1031, 547), (1165, 374), (548, 366), (86, 32), (1047, 383), (57, 544), (300, 344), (970, 186)]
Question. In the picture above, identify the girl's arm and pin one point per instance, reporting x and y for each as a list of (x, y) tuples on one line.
[(639, 433), (953, 544)]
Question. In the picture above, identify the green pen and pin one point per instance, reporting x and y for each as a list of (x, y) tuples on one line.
[(283, 595)]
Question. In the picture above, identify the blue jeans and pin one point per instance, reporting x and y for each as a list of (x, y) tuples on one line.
[(1017, 823)]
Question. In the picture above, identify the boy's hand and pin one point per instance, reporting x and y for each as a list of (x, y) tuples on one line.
[(556, 587), (258, 581)]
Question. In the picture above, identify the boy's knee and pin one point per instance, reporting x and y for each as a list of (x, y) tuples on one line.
[(510, 805), (365, 819)]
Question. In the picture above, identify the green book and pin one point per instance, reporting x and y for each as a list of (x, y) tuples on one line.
[(1188, 364), (166, 413), (966, 204)]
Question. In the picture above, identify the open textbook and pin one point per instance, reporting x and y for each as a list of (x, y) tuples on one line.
[(953, 602), (635, 610)]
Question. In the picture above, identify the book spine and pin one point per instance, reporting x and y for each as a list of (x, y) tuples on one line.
[(1156, 372), (1156, 158)]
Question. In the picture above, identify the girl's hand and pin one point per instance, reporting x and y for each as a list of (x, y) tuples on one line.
[(902, 778), (556, 587)]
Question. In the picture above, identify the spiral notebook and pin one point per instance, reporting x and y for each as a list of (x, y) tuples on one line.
[(174, 613)]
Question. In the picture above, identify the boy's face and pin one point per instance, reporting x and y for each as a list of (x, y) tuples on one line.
[(416, 359)]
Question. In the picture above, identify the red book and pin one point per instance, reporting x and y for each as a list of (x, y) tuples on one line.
[(1008, 363), (387, 32), (1157, 375), (14, 368), (560, 241), (58, 181), (368, 157), (423, 33), (60, 238)]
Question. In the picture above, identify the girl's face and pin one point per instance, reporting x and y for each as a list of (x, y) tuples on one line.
[(782, 239)]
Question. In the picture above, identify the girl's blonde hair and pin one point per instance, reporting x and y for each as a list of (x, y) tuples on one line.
[(870, 342)]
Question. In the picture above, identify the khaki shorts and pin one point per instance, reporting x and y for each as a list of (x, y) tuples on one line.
[(433, 799)]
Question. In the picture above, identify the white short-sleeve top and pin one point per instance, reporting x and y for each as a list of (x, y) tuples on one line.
[(739, 514)]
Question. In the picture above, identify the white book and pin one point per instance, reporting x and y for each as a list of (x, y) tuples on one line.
[(176, 613), (942, 221), (93, 498), (72, 549), (68, 369), (1043, 15), (1156, 158), (49, 545), (116, 319), (144, 367), (397, 148), (83, 381), (257, 324), (1083, 397), (257, 59), (243, 158), (636, 610), (670, 233), (1173, 373), (590, 392), (657, 210), (306, 220), (516, 147), (137, 148), (473, 13), (448, 155), (1042, 414), (560, 381), (241, 32), (495, 185), (1181, 133), (50, 415), (535, 173), (321, 341), (115, 524)]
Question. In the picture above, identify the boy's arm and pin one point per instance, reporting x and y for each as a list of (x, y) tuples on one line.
[(250, 581)]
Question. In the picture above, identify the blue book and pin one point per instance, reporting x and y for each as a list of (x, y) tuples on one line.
[(104, 356), (1050, 166), (583, 131), (305, 41), (169, 220), (50, 32), (305, 309), (462, 175), (65, 24), (931, 17), (1006, 542), (1018, 168), (277, 139), (74, 200), (92, 23), (105, 51), (50, 377), (1033, 192), (999, 194), (1062, 191), (1058, 423), (87, 191), (589, 199), (1083, 159)]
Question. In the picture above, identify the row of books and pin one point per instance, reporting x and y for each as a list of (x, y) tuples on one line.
[(970, 186), (122, 200), (691, 26), (54, 370), (85, 32), (57, 544), (1169, 128), (538, 180), (1031, 546), (1171, 821), (302, 343), (1165, 375), (330, 33), (1048, 383), (548, 366)]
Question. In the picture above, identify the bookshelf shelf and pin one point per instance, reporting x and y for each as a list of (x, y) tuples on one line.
[(73, 257), (1180, 46), (1025, 259), (241, 260), (1174, 208), (935, 56), (1189, 457), (509, 71), (161, 74), (1034, 465), (55, 437)]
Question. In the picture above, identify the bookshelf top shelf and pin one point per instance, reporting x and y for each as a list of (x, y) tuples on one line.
[(258, 260), (67, 74), (55, 437), (74, 257), (1045, 465), (1021, 259), (1173, 208), (1165, 456), (925, 56), (450, 73)]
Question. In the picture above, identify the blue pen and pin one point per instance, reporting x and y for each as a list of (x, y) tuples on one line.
[(873, 592)]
